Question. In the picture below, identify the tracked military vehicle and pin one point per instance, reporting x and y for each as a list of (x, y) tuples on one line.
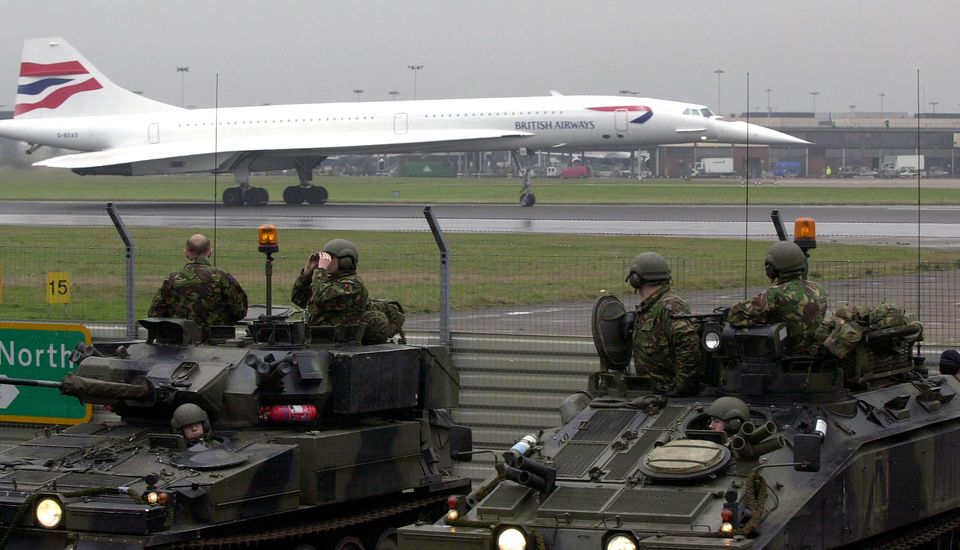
[(316, 441), (828, 452)]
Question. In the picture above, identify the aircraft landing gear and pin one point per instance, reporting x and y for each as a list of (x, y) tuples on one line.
[(250, 196), (305, 192), (527, 198), (244, 194), (311, 194)]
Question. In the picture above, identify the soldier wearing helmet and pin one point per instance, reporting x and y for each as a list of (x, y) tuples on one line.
[(793, 299), (727, 414), (333, 294), (665, 348), (200, 292), (191, 422)]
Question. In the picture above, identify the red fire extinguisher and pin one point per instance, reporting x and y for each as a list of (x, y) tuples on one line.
[(288, 413)]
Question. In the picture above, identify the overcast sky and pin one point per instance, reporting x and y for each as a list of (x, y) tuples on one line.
[(304, 51)]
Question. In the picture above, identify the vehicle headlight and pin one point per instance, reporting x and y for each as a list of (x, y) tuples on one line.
[(49, 512), (711, 340), (511, 538), (620, 542)]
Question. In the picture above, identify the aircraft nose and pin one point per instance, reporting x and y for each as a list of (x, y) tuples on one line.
[(737, 132)]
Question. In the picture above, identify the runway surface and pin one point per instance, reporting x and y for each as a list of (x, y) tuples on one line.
[(939, 225)]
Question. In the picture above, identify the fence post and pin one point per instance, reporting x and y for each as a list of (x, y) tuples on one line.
[(130, 284), (444, 276)]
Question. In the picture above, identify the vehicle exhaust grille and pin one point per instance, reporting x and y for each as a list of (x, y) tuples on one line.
[(581, 502)]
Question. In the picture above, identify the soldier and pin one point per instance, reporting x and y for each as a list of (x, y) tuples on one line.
[(727, 414), (191, 422), (667, 349), (793, 299), (200, 292), (333, 294)]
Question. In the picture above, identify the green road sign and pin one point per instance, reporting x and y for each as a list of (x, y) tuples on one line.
[(42, 352)]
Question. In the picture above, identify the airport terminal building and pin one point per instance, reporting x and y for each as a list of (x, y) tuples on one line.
[(843, 144)]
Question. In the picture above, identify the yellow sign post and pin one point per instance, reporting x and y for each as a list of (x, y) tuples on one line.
[(57, 288)]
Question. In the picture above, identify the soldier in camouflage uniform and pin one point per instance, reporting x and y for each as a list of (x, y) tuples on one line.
[(794, 300), (200, 292), (666, 349), (333, 294)]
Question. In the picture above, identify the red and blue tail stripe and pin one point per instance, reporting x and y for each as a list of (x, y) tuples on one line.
[(35, 88), (62, 87), (51, 69)]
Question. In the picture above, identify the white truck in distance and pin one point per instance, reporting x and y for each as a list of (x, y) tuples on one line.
[(902, 166), (713, 167)]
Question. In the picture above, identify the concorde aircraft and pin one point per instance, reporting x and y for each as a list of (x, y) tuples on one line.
[(64, 101)]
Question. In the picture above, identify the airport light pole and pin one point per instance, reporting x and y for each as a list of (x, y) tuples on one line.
[(769, 110), (853, 108), (358, 92), (814, 94), (415, 69), (718, 72), (881, 95), (934, 105), (182, 71), (393, 94)]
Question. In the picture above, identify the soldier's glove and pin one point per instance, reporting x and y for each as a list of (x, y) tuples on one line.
[(626, 326)]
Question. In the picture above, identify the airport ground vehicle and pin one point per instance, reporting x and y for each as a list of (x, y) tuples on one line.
[(898, 165), (787, 168), (715, 167), (316, 441), (577, 171), (835, 452)]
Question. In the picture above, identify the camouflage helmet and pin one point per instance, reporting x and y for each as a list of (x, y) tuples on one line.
[(785, 258), (342, 248), (728, 408), (647, 268), (187, 414)]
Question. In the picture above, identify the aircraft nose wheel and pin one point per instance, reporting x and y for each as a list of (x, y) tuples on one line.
[(528, 199)]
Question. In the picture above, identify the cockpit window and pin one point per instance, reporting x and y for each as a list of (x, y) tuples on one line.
[(686, 111), (706, 112)]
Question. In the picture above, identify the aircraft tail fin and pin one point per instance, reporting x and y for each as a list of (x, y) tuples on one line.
[(56, 81)]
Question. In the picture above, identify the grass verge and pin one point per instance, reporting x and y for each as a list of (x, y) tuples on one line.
[(50, 184), (488, 270)]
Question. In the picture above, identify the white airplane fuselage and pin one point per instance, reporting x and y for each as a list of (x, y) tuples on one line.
[(64, 101), (552, 123)]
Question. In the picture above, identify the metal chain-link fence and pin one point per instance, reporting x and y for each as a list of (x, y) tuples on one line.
[(78, 275)]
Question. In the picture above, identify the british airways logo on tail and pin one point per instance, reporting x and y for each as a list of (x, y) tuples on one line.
[(48, 86), (647, 111)]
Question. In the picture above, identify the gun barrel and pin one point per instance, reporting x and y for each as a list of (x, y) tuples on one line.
[(30, 382), (92, 390)]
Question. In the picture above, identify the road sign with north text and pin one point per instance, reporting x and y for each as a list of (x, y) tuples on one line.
[(39, 351)]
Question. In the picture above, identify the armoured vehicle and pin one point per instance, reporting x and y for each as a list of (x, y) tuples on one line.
[(852, 451), (316, 441)]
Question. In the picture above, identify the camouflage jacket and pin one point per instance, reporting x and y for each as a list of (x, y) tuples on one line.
[(335, 299), (667, 349), (202, 293), (799, 302)]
